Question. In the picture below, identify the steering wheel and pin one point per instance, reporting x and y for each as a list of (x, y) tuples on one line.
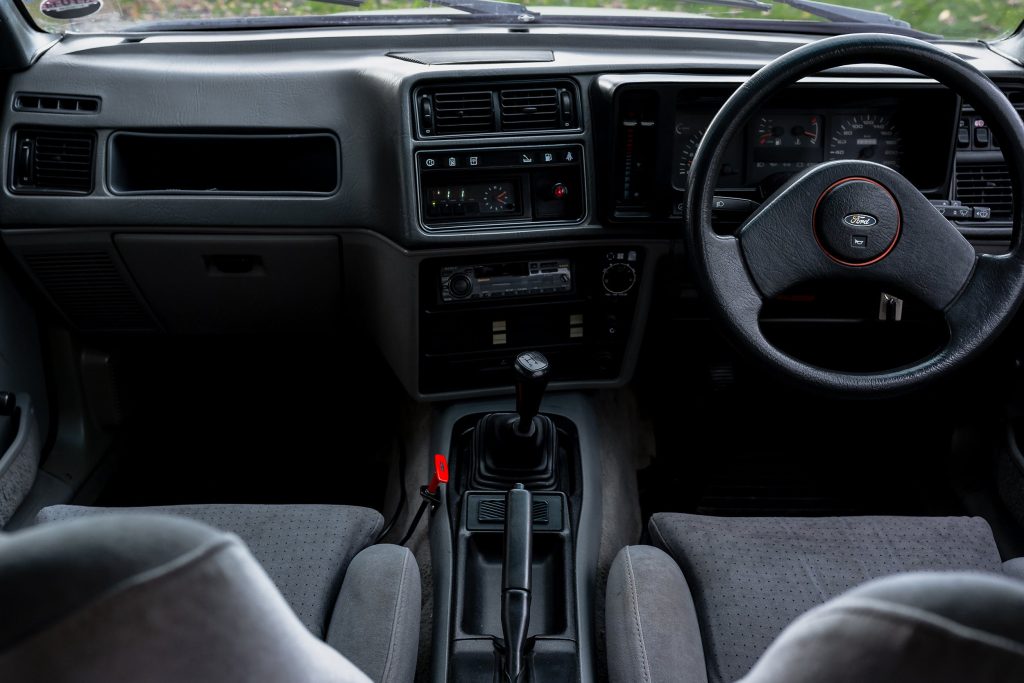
[(855, 221)]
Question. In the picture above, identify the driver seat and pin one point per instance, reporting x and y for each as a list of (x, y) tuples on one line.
[(708, 604)]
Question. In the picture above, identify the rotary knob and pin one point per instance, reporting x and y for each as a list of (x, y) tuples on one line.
[(618, 278), (459, 286)]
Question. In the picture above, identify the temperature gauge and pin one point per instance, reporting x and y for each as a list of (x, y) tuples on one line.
[(800, 130)]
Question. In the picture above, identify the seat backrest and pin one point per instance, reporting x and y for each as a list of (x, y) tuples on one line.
[(149, 598), (944, 627)]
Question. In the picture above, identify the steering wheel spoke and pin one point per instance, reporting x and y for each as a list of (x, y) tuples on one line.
[(856, 221)]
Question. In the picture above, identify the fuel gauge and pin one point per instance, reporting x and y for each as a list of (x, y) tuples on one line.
[(791, 130)]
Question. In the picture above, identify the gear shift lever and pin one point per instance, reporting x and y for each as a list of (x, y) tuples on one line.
[(520, 446), (531, 380)]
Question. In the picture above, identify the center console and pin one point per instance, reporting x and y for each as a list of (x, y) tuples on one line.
[(515, 503), (575, 305)]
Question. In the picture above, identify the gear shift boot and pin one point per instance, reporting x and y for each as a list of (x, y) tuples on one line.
[(502, 457)]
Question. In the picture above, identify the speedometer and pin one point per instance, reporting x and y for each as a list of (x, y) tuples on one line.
[(868, 137)]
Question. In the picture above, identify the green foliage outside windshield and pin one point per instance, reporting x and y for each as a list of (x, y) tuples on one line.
[(949, 18)]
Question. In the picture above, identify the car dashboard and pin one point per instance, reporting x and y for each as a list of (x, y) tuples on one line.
[(458, 196)]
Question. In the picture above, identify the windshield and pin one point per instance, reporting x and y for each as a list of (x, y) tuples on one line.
[(949, 18)]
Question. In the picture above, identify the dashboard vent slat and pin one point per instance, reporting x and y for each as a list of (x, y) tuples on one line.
[(463, 112), (529, 109), (54, 162), (56, 104), (985, 185), (90, 290)]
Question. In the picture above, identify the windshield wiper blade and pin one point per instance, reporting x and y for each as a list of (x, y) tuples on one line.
[(491, 8), (488, 7), (838, 13), (739, 4)]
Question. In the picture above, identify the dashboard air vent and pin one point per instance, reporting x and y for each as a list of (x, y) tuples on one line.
[(56, 104), (530, 109), (90, 290), (457, 113), (985, 185), (56, 162), (495, 108)]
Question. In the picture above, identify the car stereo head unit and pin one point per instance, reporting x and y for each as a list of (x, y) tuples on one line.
[(504, 280)]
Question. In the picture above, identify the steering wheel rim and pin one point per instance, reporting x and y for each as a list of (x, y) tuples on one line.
[(975, 313)]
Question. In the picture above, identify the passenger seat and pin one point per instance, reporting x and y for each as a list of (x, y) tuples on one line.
[(80, 562)]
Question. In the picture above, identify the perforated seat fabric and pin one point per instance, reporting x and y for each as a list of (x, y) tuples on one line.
[(305, 549), (751, 577)]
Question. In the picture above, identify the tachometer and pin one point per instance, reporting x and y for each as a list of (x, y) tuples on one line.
[(869, 137)]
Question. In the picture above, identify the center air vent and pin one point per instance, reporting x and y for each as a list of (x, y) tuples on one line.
[(985, 185), (457, 113), (53, 161), (535, 107), (530, 109)]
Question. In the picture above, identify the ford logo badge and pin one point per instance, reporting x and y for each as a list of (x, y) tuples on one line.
[(860, 220)]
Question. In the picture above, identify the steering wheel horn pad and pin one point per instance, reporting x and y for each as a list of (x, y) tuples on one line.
[(812, 227), (856, 221)]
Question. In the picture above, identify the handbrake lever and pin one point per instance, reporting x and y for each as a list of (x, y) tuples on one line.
[(516, 578)]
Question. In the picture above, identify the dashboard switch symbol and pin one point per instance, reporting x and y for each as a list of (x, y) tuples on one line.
[(452, 161), (429, 163), (473, 161), (527, 158), (569, 156), (548, 156)]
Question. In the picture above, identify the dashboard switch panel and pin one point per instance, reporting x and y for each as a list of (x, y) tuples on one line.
[(495, 187)]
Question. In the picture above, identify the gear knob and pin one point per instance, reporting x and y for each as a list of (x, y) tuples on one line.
[(531, 380)]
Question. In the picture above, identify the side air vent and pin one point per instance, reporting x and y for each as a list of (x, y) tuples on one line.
[(54, 162), (90, 290), (56, 104), (535, 107), (985, 185), (459, 113)]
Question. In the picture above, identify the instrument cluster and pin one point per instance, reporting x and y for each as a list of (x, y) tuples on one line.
[(782, 142)]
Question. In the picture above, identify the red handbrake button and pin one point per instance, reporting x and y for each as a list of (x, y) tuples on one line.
[(440, 475)]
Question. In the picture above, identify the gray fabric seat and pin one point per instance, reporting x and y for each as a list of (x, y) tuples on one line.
[(363, 600), (715, 594)]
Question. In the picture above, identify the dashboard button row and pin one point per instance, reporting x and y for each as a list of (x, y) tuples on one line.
[(506, 158)]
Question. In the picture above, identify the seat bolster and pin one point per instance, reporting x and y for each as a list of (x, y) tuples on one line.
[(1014, 567), (209, 614), (888, 632), (651, 622), (376, 619)]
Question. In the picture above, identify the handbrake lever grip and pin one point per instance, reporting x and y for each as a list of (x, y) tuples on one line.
[(516, 579)]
